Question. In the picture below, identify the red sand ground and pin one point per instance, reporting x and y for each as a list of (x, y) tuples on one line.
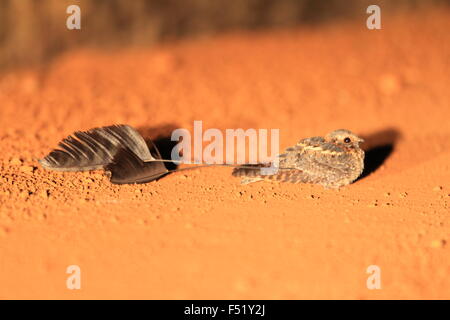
[(200, 234)]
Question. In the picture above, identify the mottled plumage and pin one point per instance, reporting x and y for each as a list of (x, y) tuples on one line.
[(332, 161)]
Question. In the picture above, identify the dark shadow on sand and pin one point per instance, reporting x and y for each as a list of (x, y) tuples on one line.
[(378, 147), (160, 136)]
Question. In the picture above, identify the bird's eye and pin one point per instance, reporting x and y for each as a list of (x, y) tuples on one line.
[(347, 140)]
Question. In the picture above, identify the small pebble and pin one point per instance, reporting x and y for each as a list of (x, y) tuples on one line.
[(389, 84), (5, 193), (98, 176), (373, 205), (24, 194), (15, 162), (43, 194), (27, 169), (438, 243), (4, 231)]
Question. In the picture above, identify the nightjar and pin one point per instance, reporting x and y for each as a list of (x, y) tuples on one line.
[(332, 161)]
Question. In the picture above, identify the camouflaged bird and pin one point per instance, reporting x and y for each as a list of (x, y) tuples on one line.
[(332, 161)]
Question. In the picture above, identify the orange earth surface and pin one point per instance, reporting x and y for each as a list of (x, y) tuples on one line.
[(200, 234)]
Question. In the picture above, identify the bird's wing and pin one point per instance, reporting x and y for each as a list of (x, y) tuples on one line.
[(313, 160), (93, 149), (127, 168)]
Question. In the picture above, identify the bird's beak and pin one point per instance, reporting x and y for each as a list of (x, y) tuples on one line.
[(361, 140)]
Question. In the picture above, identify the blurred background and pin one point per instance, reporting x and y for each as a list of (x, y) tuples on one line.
[(34, 31)]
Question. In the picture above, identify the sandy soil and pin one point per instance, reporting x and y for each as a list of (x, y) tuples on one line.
[(200, 234)]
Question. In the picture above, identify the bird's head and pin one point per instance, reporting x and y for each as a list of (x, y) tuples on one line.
[(344, 137)]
